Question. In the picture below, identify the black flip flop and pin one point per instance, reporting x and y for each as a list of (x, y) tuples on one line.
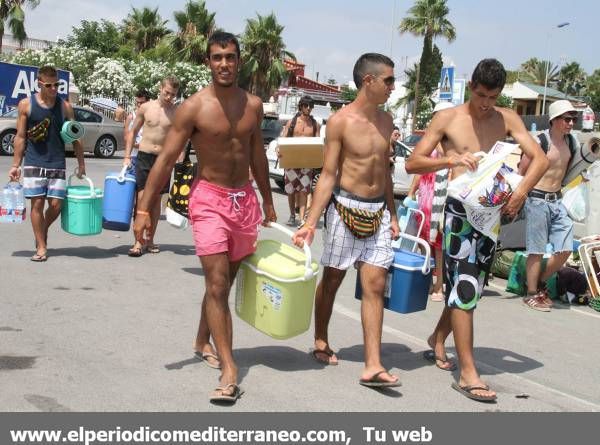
[(204, 356), (431, 357), (467, 391), (227, 398), (135, 252), (375, 382), (329, 354)]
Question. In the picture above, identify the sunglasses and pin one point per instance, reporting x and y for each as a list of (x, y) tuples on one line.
[(307, 106), (50, 85), (389, 81), (569, 119)]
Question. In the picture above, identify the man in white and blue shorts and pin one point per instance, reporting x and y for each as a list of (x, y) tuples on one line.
[(39, 122), (547, 221)]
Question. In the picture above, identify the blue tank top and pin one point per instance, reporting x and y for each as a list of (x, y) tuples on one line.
[(45, 147)]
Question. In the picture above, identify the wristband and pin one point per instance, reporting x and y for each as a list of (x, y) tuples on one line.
[(16, 166), (142, 212), (450, 163), (309, 228)]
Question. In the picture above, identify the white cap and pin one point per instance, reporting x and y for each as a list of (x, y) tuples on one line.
[(442, 106), (559, 108)]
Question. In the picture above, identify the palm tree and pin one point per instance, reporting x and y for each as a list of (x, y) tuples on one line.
[(263, 51), (195, 25), (572, 79), (534, 71), (427, 19), (12, 10), (145, 27)]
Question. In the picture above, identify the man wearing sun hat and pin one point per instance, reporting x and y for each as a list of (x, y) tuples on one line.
[(547, 220)]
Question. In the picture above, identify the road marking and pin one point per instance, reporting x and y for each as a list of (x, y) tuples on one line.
[(489, 368)]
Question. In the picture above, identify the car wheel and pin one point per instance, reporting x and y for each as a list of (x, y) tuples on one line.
[(7, 142), (106, 146), (280, 184)]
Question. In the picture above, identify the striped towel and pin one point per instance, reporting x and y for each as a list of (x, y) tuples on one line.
[(440, 191)]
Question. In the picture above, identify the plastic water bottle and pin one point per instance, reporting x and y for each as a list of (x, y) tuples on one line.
[(12, 203), (533, 126)]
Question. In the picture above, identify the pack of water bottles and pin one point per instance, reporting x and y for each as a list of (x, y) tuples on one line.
[(12, 203)]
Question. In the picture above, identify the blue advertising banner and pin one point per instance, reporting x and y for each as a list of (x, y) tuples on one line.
[(447, 83), (20, 81)]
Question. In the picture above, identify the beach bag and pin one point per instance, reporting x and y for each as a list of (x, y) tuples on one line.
[(183, 178), (502, 263), (575, 200), (484, 191)]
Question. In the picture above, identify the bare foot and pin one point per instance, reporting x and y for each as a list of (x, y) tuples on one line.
[(475, 389), (209, 354), (324, 354), (439, 351), (378, 377)]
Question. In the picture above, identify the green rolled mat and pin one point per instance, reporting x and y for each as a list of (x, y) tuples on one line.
[(71, 131)]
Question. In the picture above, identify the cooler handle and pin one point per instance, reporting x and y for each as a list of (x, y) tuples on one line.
[(308, 272), (121, 177), (426, 264), (89, 181), (420, 212)]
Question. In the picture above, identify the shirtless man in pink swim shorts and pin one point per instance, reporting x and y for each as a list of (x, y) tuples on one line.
[(223, 123)]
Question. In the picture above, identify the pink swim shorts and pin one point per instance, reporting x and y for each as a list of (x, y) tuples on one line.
[(224, 219)]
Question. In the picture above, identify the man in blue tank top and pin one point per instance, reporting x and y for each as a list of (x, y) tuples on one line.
[(39, 122)]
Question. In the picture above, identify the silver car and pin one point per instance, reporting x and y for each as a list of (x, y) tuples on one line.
[(103, 136)]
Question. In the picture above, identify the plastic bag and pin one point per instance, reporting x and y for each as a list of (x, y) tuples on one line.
[(575, 200), (484, 191)]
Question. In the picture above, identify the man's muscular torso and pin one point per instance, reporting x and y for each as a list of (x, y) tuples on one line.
[(223, 134), (466, 134), (157, 122), (364, 157)]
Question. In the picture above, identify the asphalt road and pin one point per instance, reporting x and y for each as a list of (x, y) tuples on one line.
[(94, 330)]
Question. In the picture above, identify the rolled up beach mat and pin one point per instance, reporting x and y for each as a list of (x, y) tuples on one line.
[(584, 157), (71, 131)]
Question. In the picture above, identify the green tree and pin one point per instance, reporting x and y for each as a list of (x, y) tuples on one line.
[(571, 79), (504, 101), (263, 50), (347, 93), (12, 11), (195, 25), (534, 71), (428, 19), (429, 80), (593, 89), (144, 28), (103, 36)]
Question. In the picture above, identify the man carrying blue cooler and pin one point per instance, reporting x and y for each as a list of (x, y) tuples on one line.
[(40, 120), (356, 183)]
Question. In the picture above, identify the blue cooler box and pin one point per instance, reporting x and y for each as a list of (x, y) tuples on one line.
[(408, 280), (119, 193)]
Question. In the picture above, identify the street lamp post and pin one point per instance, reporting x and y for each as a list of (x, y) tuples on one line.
[(560, 25)]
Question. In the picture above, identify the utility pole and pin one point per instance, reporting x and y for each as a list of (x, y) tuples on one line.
[(416, 107)]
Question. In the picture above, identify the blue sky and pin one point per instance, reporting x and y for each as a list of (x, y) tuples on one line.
[(329, 35)]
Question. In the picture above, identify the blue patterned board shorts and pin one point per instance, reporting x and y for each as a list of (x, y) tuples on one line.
[(468, 258)]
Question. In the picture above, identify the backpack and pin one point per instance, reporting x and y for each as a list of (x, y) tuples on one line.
[(290, 132), (544, 142)]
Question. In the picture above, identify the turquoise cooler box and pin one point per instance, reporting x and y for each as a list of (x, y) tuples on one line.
[(119, 193), (82, 209), (408, 280), (275, 288)]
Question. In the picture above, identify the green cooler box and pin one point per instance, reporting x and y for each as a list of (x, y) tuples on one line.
[(82, 209), (276, 288)]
